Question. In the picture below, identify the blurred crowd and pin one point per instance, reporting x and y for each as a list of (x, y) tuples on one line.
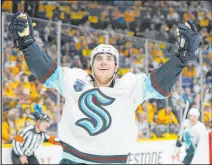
[(126, 25)]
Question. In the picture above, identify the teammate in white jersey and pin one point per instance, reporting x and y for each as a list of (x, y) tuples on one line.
[(97, 124), (192, 130)]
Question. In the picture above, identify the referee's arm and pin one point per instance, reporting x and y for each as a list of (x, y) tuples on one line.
[(18, 141), (51, 139)]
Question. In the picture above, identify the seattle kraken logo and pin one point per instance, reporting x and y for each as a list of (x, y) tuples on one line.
[(90, 103)]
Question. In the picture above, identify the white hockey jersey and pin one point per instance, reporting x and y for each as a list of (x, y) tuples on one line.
[(191, 133), (100, 120)]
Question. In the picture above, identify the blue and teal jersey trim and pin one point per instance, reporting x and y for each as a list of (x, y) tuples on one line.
[(149, 90), (56, 80)]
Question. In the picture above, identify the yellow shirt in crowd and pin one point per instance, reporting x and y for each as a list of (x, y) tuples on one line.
[(151, 112), (164, 118)]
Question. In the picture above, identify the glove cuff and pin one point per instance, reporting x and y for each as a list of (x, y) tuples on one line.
[(22, 43), (182, 55)]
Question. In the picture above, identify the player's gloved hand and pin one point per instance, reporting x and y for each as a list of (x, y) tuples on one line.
[(189, 41), (178, 143), (21, 30)]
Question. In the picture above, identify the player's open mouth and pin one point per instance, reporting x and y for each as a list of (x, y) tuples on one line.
[(103, 69)]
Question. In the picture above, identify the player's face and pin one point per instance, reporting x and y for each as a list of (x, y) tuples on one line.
[(104, 67), (193, 119), (43, 125)]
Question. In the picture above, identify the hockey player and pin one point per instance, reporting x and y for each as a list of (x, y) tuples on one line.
[(192, 129), (30, 138), (97, 124)]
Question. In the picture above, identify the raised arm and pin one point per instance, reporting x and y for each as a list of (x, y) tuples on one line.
[(164, 77), (38, 62), (160, 82), (44, 67)]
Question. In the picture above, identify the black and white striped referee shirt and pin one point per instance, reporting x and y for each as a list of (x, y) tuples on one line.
[(28, 140)]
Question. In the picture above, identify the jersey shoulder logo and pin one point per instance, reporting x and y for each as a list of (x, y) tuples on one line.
[(79, 85), (91, 105)]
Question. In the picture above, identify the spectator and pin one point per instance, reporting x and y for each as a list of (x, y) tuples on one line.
[(66, 61), (196, 101), (8, 93), (166, 116), (190, 70), (27, 116), (56, 14), (76, 62), (142, 125), (149, 109), (104, 19), (188, 96), (189, 16), (158, 19), (10, 126), (173, 16), (208, 95), (157, 54), (138, 32), (207, 115), (153, 31), (166, 121), (129, 18), (162, 35), (176, 102), (172, 35), (145, 21), (117, 19)]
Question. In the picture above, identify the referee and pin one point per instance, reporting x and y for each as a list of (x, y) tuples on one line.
[(29, 139)]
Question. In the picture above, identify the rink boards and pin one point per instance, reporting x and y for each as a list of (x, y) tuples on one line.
[(145, 152)]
